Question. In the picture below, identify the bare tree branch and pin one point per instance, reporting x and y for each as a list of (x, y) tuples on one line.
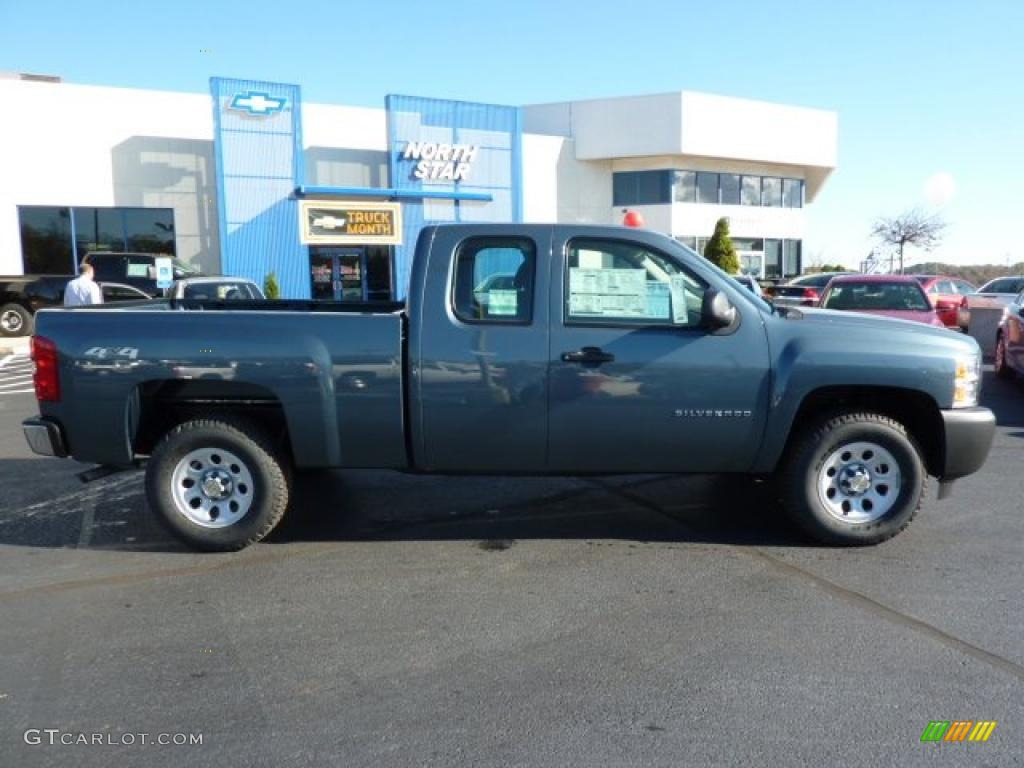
[(915, 228)]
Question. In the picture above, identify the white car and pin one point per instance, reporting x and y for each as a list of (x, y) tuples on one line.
[(750, 283), (215, 288)]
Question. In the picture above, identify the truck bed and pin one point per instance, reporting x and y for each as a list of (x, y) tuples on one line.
[(334, 370)]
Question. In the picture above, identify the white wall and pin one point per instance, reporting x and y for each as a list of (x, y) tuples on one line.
[(559, 188), (63, 144), (724, 131)]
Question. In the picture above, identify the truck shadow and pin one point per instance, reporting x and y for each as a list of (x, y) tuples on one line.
[(349, 506), (1006, 399)]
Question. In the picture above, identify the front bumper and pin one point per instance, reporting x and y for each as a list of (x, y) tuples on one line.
[(969, 433), (44, 437)]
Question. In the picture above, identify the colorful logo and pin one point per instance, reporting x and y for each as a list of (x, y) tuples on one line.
[(959, 730), (256, 103)]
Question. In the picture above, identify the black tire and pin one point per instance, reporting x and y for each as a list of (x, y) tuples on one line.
[(1002, 370), (257, 459), (805, 467), (15, 320)]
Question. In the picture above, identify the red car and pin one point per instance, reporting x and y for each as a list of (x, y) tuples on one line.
[(898, 296), (948, 295)]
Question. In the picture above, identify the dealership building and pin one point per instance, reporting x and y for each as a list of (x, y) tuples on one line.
[(248, 179)]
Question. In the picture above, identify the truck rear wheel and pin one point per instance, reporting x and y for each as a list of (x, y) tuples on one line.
[(854, 479), (218, 486)]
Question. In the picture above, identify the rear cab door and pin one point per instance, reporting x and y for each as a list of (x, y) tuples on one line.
[(636, 383), (478, 349)]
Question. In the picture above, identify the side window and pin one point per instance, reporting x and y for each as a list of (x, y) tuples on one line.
[(946, 286), (494, 280), (621, 283), (963, 288), (141, 266), (107, 267)]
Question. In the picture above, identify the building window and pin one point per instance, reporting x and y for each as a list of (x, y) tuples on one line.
[(641, 187), (773, 258), (707, 188), (791, 252), (730, 183), (46, 240), (494, 280), (689, 242), (52, 238), (792, 193), (771, 192), (685, 187), (750, 190)]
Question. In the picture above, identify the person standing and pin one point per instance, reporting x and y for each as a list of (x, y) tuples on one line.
[(83, 290)]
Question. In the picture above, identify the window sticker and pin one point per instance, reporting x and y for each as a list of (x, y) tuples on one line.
[(607, 292), (502, 302), (684, 299), (137, 270), (658, 300)]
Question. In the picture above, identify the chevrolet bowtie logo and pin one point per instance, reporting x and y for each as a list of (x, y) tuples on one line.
[(256, 103)]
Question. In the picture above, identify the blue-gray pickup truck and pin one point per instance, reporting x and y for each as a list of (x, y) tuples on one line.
[(522, 349)]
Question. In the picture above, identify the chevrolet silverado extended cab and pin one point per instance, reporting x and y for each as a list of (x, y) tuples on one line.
[(522, 349)]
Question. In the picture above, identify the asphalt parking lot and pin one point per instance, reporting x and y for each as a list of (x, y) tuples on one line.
[(397, 620)]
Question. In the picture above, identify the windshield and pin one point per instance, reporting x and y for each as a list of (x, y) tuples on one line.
[(762, 303), (185, 267), (892, 297)]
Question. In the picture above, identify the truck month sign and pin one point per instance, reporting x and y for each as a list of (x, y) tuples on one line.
[(325, 222)]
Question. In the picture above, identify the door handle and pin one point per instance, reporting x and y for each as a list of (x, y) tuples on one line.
[(588, 356)]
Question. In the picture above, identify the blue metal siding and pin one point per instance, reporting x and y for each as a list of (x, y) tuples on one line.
[(259, 165), (496, 170)]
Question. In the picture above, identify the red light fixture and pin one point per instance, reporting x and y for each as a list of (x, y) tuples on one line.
[(633, 219)]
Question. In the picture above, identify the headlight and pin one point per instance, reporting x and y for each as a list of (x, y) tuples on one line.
[(967, 381)]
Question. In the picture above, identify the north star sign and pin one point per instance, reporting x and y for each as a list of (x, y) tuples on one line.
[(256, 103), (440, 162)]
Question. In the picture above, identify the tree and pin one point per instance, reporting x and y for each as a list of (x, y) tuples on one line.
[(270, 287), (915, 227), (720, 250)]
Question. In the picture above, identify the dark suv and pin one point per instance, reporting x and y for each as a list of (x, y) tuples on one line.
[(135, 269)]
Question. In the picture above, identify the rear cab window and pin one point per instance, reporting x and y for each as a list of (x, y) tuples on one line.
[(494, 280), (614, 282)]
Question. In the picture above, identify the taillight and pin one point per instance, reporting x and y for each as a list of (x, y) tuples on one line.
[(811, 293), (46, 378)]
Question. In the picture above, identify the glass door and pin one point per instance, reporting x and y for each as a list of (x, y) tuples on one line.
[(338, 274)]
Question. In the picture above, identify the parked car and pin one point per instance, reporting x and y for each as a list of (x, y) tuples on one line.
[(219, 288), (1005, 289), (619, 351), (22, 296), (949, 297), (750, 283), (136, 269), (897, 296), (1009, 350), (803, 291)]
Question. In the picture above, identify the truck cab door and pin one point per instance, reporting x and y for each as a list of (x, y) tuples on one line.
[(638, 384), (479, 351)]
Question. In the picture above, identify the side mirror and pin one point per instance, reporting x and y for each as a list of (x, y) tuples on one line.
[(716, 310)]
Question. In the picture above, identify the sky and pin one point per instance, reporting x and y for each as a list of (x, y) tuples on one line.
[(930, 95)]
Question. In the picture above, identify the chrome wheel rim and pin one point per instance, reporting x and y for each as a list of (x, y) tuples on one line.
[(859, 482), (11, 321), (212, 487)]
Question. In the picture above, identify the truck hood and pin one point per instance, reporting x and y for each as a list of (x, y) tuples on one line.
[(838, 322)]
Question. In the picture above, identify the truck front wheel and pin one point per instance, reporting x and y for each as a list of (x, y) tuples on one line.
[(218, 486), (854, 479)]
